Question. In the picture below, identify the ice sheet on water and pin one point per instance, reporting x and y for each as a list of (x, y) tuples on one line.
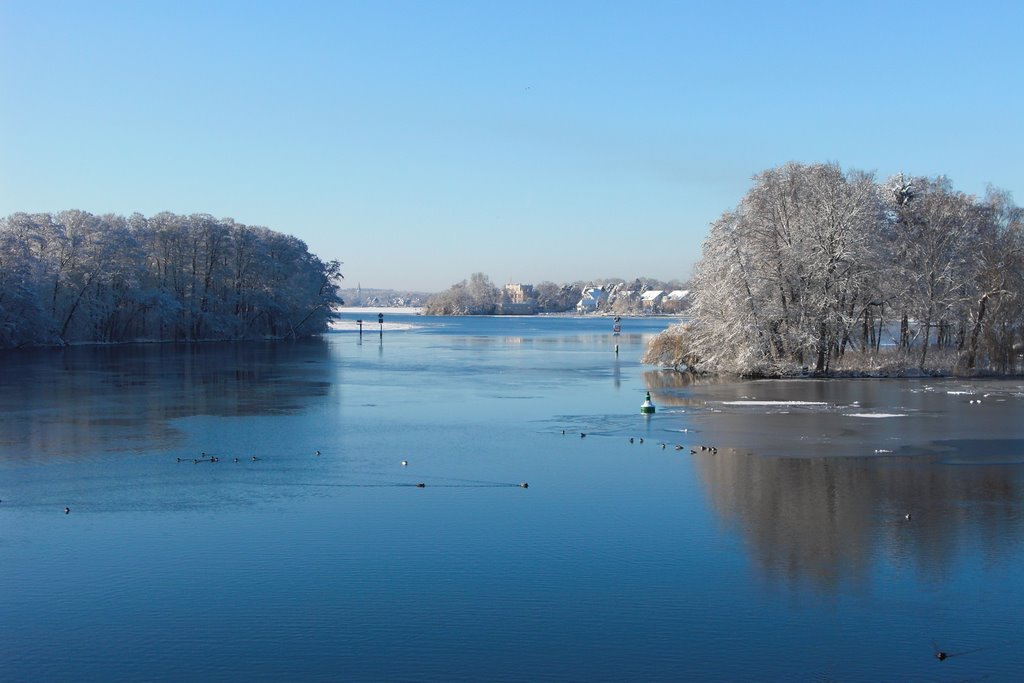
[(876, 415), (775, 403), (369, 325)]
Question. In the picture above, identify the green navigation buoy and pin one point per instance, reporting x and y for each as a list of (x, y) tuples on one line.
[(647, 408)]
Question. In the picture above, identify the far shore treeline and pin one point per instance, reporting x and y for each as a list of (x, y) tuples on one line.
[(823, 271), (480, 296), (74, 277)]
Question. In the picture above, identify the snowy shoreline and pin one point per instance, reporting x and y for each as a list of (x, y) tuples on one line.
[(367, 310), (368, 314)]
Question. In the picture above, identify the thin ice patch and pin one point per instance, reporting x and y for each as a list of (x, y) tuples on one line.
[(775, 403), (876, 415)]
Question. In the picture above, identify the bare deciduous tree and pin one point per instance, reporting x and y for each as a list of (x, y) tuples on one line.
[(76, 277), (806, 268)]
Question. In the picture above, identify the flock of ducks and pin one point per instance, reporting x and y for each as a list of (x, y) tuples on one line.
[(213, 458), (713, 450), (205, 457)]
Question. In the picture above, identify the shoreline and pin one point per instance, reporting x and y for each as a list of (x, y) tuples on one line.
[(367, 310)]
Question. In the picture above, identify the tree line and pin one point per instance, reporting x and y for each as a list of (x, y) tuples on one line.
[(821, 270), (75, 277), (480, 296)]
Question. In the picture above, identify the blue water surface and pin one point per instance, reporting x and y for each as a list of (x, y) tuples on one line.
[(746, 531)]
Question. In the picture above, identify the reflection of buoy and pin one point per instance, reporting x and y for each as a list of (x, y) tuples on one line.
[(647, 407)]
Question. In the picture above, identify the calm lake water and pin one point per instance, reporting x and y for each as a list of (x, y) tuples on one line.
[(785, 555)]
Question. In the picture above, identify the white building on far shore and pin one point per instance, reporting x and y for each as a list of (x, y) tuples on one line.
[(650, 300), (591, 299), (675, 301)]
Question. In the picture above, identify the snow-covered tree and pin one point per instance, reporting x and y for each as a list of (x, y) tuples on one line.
[(77, 277), (997, 312), (811, 262), (933, 238), (477, 296), (784, 278)]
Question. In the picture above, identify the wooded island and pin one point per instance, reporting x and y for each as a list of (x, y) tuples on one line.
[(75, 277), (824, 271)]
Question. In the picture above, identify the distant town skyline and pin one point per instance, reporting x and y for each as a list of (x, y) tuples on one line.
[(422, 142)]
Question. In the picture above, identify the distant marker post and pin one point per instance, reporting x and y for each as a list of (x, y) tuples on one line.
[(380, 319)]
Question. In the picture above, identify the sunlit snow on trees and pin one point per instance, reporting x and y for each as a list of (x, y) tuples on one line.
[(479, 296), (76, 277), (829, 270)]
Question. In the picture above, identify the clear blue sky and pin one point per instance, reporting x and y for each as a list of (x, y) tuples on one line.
[(420, 142)]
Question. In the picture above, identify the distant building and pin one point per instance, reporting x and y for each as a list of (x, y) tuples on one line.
[(517, 299), (650, 300), (519, 294), (591, 299), (676, 301)]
